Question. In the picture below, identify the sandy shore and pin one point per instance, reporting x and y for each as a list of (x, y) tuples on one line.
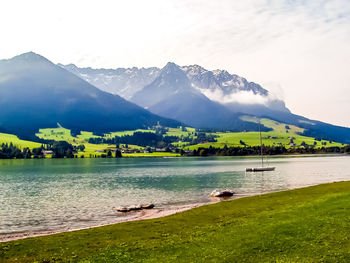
[(123, 217)]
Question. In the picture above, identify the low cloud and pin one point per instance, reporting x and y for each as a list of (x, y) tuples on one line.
[(243, 97)]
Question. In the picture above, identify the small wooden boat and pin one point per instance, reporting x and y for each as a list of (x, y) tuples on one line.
[(147, 206), (224, 193)]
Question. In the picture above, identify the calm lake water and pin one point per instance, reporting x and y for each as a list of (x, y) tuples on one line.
[(41, 195)]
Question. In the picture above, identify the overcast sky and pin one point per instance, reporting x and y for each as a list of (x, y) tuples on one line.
[(299, 50)]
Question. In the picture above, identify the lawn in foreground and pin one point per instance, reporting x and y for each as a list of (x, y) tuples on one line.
[(304, 225)]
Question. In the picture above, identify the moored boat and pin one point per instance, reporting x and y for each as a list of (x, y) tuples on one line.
[(262, 168)]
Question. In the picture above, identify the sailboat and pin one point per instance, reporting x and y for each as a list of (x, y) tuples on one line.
[(262, 168)]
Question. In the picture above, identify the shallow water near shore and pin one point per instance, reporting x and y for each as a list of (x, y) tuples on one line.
[(68, 194)]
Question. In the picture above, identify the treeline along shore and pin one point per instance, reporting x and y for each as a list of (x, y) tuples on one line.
[(62, 149), (267, 150), (59, 149)]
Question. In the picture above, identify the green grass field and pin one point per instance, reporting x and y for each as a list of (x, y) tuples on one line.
[(179, 132), (304, 225), (279, 136), (56, 134), (85, 136), (9, 138), (60, 133), (189, 132), (122, 133)]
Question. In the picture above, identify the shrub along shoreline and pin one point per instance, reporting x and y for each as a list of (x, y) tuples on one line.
[(305, 225)]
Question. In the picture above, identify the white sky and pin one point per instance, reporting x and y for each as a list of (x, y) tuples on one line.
[(299, 49)]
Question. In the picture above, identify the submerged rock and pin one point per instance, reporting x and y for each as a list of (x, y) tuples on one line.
[(147, 206), (136, 207), (224, 193), (123, 209)]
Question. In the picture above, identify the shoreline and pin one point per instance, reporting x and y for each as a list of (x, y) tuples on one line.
[(144, 215), (132, 216), (260, 228), (174, 155), (140, 215)]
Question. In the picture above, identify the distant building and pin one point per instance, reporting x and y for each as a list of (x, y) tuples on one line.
[(160, 150)]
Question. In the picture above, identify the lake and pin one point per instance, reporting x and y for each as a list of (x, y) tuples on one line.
[(65, 194)]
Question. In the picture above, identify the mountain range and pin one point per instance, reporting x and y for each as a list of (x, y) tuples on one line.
[(202, 98), (172, 95), (35, 93)]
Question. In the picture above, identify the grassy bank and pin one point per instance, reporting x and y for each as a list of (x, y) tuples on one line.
[(303, 225)]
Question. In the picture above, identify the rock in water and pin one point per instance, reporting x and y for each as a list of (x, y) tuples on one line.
[(147, 206), (123, 209), (224, 193), (134, 208)]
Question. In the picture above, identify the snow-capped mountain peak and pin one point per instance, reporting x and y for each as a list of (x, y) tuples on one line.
[(218, 85)]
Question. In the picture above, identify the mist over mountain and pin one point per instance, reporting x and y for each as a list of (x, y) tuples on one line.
[(172, 84), (172, 95), (35, 93), (231, 90)]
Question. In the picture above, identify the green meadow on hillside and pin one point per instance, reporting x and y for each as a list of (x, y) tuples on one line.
[(179, 132), (62, 134), (303, 225), (280, 135), (122, 133), (10, 138)]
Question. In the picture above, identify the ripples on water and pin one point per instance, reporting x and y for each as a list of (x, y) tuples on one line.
[(40, 195)]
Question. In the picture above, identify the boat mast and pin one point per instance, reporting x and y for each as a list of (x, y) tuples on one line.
[(261, 149)]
